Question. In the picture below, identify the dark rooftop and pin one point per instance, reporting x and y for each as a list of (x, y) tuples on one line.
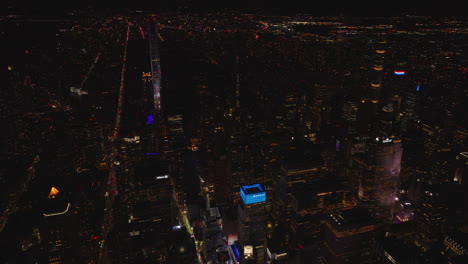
[(400, 251), (351, 218), (253, 190)]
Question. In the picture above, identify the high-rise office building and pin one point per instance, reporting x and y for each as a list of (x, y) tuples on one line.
[(181, 247), (368, 108), (409, 109), (252, 219), (435, 138), (393, 250), (153, 194), (374, 157), (247, 162), (379, 171), (151, 213), (350, 111), (175, 125), (155, 67), (321, 107), (58, 230), (431, 211), (348, 236), (300, 165), (311, 202)]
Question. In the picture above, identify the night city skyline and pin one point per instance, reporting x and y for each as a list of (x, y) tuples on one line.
[(242, 132), (337, 7)]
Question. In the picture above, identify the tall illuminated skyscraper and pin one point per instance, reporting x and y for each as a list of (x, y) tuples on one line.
[(252, 220), (409, 108), (379, 171), (376, 169), (155, 66), (371, 99), (377, 70)]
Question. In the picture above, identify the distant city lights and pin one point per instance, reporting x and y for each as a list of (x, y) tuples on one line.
[(226, 133)]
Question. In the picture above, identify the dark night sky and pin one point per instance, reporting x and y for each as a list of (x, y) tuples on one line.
[(323, 7)]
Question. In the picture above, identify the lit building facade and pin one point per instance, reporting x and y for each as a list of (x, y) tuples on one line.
[(456, 244), (252, 219), (59, 230), (379, 171), (431, 212)]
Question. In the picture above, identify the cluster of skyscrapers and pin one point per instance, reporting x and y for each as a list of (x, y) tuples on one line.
[(277, 144)]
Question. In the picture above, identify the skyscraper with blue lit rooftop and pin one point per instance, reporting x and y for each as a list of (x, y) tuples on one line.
[(252, 219)]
